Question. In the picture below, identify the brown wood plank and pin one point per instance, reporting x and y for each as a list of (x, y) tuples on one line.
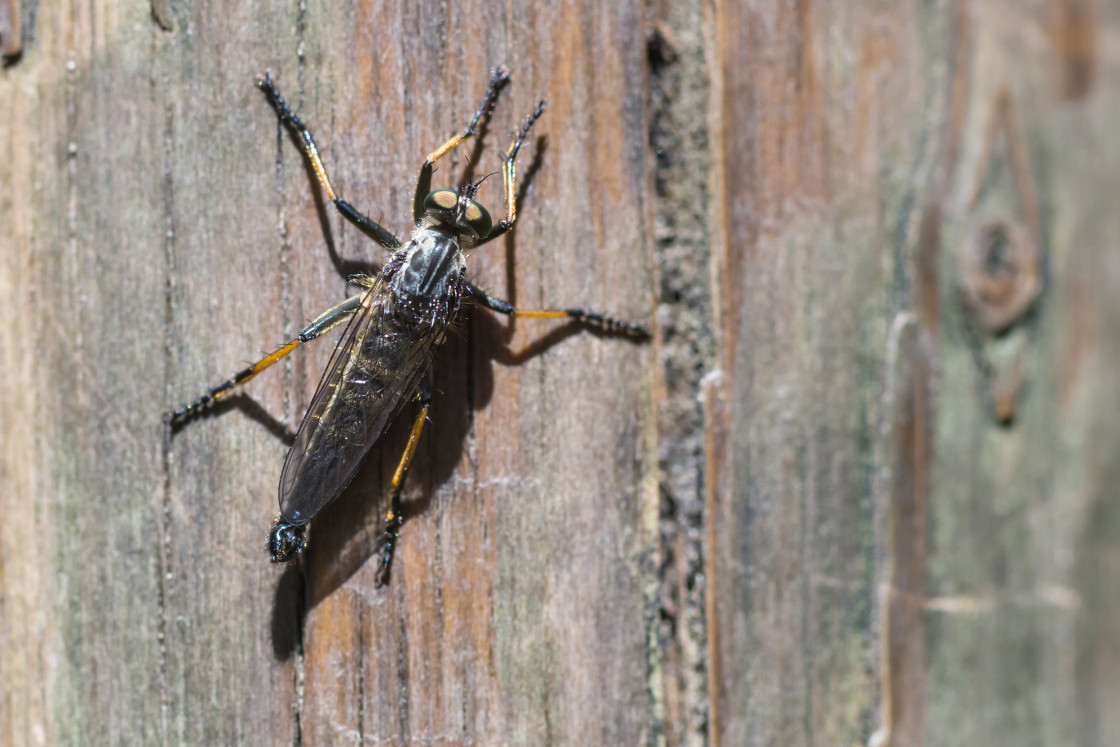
[(225, 303), (527, 492), (872, 151), (192, 228), (816, 130)]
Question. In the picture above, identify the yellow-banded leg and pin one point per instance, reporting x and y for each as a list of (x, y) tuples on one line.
[(369, 227), (509, 175), (498, 78), (326, 321), (583, 316), (393, 516)]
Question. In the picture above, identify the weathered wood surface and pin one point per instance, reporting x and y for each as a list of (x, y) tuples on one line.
[(906, 540), (859, 488)]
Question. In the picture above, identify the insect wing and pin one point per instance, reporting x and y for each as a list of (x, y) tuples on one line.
[(373, 373)]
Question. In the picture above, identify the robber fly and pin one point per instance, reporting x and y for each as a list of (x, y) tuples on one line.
[(384, 357)]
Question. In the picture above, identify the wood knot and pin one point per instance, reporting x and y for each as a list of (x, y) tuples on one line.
[(1000, 276)]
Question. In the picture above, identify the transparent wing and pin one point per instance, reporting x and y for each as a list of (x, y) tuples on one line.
[(375, 370)]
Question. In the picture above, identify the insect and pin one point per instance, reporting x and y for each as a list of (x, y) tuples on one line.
[(384, 357)]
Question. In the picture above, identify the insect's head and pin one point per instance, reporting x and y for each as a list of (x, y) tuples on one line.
[(458, 210)]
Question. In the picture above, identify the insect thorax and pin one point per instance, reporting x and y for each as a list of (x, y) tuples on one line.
[(427, 274)]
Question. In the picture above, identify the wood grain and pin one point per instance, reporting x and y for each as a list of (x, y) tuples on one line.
[(829, 503)]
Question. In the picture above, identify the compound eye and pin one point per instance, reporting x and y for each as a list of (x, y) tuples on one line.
[(441, 200), (478, 219)]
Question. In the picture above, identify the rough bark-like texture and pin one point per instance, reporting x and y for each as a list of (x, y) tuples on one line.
[(859, 488)]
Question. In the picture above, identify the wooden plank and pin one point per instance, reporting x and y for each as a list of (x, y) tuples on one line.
[(183, 233), (226, 279), (83, 317), (527, 482), (890, 162), (816, 110), (1016, 494)]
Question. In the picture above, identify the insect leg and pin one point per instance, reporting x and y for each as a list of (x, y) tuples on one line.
[(393, 517), (509, 175), (327, 320), (498, 78), (583, 316), (370, 228)]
